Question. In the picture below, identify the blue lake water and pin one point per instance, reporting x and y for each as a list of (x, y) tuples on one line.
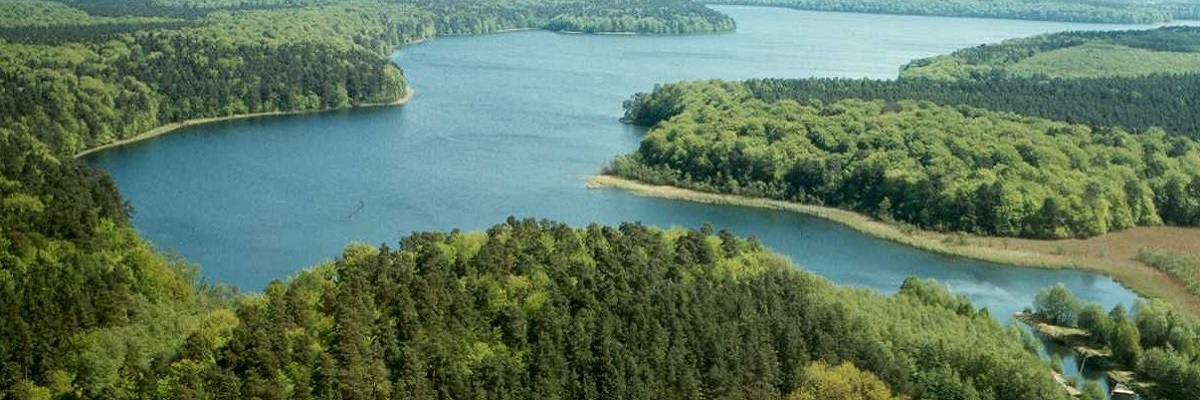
[(512, 124)]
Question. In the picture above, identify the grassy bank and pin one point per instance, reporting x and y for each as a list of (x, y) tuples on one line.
[(168, 128), (1113, 254)]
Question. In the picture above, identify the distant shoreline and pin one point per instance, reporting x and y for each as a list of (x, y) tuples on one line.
[(599, 33), (1141, 279), (171, 127)]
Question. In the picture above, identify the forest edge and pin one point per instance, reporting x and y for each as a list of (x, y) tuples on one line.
[(171, 127), (1140, 278)]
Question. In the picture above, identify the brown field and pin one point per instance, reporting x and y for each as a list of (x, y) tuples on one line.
[(1122, 245), (1113, 254)]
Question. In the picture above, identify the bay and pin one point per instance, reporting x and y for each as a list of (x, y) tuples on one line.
[(511, 125)]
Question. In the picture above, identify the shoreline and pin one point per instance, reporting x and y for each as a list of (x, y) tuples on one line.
[(1171, 22), (171, 127), (1141, 279), (599, 33), (499, 31)]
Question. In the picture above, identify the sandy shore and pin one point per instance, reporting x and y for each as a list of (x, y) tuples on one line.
[(1110, 254), (168, 128)]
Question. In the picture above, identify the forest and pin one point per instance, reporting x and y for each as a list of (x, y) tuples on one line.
[(944, 168), (537, 309), (1072, 54), (1154, 339), (527, 309), (935, 148), (1105, 11), (77, 81), (71, 266), (1048, 137), (1168, 102)]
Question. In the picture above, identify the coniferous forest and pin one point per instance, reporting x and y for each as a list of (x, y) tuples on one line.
[(1164, 101), (537, 309), (541, 310), (1087, 54)]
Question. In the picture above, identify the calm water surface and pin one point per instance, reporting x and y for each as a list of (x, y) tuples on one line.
[(512, 124)]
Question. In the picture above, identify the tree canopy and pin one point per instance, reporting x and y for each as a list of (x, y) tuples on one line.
[(1114, 11), (527, 309), (77, 80), (535, 309), (1166, 101), (938, 167), (1157, 341), (1073, 54)]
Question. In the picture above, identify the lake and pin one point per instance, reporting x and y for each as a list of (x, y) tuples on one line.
[(512, 124)]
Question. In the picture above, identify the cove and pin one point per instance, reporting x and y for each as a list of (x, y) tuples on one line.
[(511, 125)]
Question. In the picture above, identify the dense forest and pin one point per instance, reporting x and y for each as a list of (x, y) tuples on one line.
[(937, 167), (1169, 102), (88, 306), (1086, 54), (541, 310), (527, 309), (1104, 11), (1061, 135), (1154, 339), (77, 81), (77, 284)]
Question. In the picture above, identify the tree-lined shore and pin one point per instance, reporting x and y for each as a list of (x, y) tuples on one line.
[(537, 309), (1114, 12)]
